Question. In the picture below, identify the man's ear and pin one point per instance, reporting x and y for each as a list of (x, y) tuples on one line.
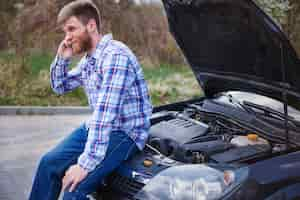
[(91, 26)]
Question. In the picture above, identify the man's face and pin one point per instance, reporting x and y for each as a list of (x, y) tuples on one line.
[(77, 36)]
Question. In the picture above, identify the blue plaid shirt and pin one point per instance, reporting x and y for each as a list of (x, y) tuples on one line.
[(117, 92)]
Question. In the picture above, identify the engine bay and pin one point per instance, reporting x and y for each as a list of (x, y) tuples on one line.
[(193, 136), (197, 132)]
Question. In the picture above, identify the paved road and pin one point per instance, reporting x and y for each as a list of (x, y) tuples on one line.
[(23, 139)]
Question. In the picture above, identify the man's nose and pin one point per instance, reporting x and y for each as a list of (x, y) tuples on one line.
[(68, 37)]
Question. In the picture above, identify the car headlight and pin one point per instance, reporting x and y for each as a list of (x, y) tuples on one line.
[(193, 182)]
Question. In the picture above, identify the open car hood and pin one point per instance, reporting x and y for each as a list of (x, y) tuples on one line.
[(234, 45)]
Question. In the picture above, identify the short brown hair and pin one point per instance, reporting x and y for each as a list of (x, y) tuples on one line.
[(84, 10)]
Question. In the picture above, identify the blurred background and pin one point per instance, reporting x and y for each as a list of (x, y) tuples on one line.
[(29, 38)]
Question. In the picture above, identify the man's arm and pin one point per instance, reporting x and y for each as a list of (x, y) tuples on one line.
[(117, 79), (63, 80)]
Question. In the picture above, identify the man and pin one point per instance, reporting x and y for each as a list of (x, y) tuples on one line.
[(116, 90)]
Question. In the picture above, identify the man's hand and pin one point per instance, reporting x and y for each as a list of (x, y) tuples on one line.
[(65, 49), (74, 175)]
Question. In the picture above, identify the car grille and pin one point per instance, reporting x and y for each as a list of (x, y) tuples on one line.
[(124, 185)]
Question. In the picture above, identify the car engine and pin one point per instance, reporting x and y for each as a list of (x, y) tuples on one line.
[(190, 136), (190, 133)]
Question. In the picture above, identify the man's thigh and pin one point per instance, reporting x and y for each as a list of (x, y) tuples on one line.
[(67, 151), (119, 149)]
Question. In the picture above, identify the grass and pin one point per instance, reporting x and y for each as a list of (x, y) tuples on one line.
[(6, 56), (168, 84), (28, 84), (38, 62), (162, 71)]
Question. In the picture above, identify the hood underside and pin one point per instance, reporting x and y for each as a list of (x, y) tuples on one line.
[(234, 45)]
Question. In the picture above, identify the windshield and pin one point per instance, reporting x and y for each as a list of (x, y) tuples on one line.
[(263, 101)]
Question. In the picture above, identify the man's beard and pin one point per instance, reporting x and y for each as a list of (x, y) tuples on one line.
[(83, 44)]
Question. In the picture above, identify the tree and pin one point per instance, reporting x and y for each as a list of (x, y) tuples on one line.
[(292, 27)]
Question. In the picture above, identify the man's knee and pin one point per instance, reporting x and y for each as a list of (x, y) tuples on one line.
[(49, 165), (48, 159)]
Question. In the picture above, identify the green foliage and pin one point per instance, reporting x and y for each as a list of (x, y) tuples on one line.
[(39, 62), (25, 80), (169, 83), (162, 71), (27, 83), (277, 9), (30, 84)]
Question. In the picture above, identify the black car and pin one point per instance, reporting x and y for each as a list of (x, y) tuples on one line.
[(240, 141)]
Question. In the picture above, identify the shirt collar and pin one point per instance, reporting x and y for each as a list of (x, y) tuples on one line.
[(99, 48), (93, 58)]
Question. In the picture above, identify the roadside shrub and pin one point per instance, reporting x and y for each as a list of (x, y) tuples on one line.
[(12, 74), (18, 86), (277, 9)]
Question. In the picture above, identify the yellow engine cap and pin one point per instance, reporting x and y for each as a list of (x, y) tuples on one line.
[(148, 163), (252, 137)]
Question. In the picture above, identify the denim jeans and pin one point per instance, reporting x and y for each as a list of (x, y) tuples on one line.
[(48, 179)]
